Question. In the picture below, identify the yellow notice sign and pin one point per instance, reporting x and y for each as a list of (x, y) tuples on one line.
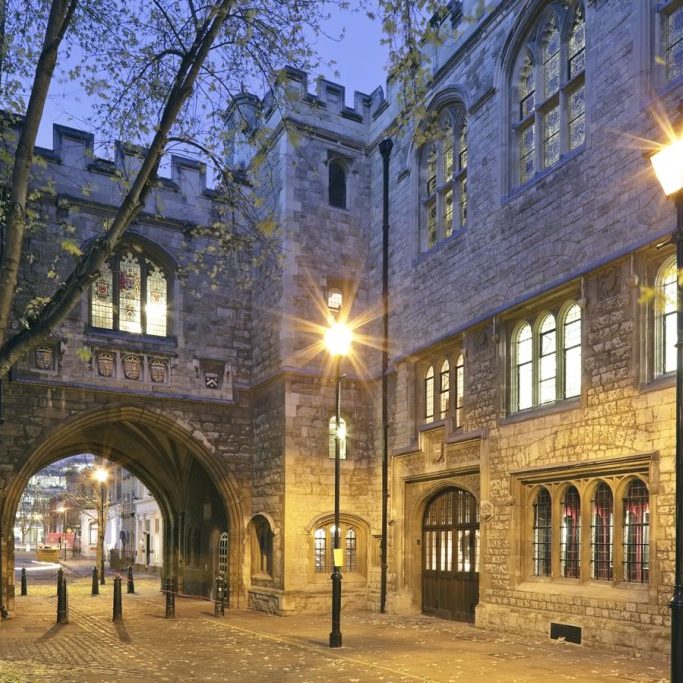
[(338, 557)]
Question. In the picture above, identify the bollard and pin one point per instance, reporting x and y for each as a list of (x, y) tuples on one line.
[(118, 605), (219, 605), (24, 589), (95, 584), (131, 582), (170, 599), (62, 603)]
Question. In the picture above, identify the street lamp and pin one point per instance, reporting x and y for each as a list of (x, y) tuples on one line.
[(61, 509), (668, 167), (338, 340), (101, 475)]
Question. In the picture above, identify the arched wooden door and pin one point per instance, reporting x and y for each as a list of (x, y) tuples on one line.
[(450, 562)]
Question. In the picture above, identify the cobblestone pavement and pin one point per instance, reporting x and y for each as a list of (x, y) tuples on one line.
[(247, 646)]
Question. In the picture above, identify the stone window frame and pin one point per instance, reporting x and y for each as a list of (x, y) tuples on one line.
[(529, 53), (534, 322), (435, 184), (322, 539), (148, 259), (664, 309), (456, 395), (660, 14), (343, 163), (556, 486)]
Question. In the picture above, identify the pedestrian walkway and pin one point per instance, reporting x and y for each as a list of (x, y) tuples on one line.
[(248, 646)]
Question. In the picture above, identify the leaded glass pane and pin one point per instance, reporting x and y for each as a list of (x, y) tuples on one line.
[(527, 153), (429, 394), (462, 160), (102, 300), (551, 137), (674, 44), (459, 389), (667, 319), (463, 201), (637, 533), (431, 174), (570, 534), (577, 46), (129, 294), (320, 549), (577, 118), (524, 368), (524, 347), (542, 534), (444, 389), (527, 90), (448, 157), (448, 213), (551, 60), (350, 551), (156, 302), (602, 525), (431, 224)]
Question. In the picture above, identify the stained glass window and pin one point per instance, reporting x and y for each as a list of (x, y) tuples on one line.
[(572, 352), (444, 389), (350, 550), (429, 394), (637, 533), (431, 173), (577, 45), (156, 301), (570, 534), (448, 217), (542, 534), (548, 360), (102, 308), (320, 550), (129, 294), (577, 118), (551, 137), (674, 44), (665, 305), (602, 526), (527, 89), (431, 224), (551, 59), (528, 153), (459, 389), (524, 367)]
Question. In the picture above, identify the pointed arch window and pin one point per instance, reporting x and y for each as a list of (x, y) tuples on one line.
[(548, 360), (337, 184), (523, 346), (459, 389), (542, 534), (570, 534), (571, 345), (549, 86), (444, 389), (666, 287), (443, 185), (350, 550), (131, 294), (429, 394), (637, 533), (602, 526), (320, 550)]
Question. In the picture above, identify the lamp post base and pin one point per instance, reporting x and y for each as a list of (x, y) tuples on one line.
[(676, 606), (335, 634)]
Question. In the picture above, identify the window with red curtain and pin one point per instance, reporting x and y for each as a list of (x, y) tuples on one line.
[(636, 533), (602, 525), (570, 534), (542, 534)]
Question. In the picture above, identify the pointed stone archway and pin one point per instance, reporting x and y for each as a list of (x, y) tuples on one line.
[(193, 487)]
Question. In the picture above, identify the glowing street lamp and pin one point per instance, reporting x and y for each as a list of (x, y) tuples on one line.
[(338, 338), (668, 167), (101, 475)]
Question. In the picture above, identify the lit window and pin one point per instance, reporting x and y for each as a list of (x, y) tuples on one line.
[(350, 550), (130, 294), (429, 394), (444, 389), (524, 367), (572, 351), (337, 184), (542, 534), (335, 299), (636, 533), (459, 389), (665, 318), (320, 547), (570, 534), (443, 184), (332, 441), (547, 372), (550, 92), (602, 525)]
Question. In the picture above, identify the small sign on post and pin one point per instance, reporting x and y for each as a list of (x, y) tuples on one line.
[(338, 557)]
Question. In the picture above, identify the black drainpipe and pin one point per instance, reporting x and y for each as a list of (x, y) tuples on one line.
[(385, 150)]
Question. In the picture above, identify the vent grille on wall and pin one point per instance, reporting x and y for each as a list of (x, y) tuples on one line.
[(572, 634)]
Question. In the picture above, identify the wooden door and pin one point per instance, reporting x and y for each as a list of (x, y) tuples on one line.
[(450, 561)]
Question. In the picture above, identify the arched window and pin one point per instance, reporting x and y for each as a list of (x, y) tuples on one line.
[(637, 533), (130, 294), (320, 549), (443, 184), (523, 352), (444, 389), (549, 106), (666, 287), (350, 558), (332, 441), (547, 371), (570, 534), (459, 389), (261, 547), (542, 534), (602, 525), (571, 344), (429, 394), (337, 184)]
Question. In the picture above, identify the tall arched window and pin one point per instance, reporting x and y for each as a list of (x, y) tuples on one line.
[(549, 93), (332, 440), (459, 389), (350, 550), (444, 389), (429, 394), (570, 534), (637, 533), (547, 371), (541, 552), (320, 549), (130, 294), (665, 318), (523, 352), (602, 525), (571, 344), (336, 184), (443, 183)]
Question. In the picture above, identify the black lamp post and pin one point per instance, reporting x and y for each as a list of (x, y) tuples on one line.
[(338, 342), (63, 510), (668, 166), (101, 475)]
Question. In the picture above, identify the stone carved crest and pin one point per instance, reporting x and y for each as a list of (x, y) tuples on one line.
[(105, 363), (211, 380), (132, 366), (158, 370), (44, 357)]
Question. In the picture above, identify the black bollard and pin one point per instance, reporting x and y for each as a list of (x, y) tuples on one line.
[(60, 579), (62, 603), (131, 582), (170, 599), (95, 584), (118, 603), (24, 590), (219, 605)]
